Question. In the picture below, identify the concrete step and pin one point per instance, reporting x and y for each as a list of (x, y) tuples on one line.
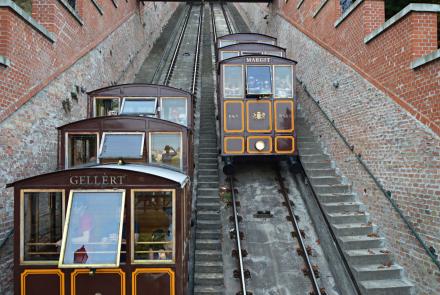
[(377, 272), (208, 244), (207, 204), (208, 160), (205, 184), (207, 191), (308, 144), (208, 279), (348, 217), (318, 158), (206, 172), (208, 234), (332, 189), (208, 215), (317, 150), (313, 166), (342, 207), (321, 172), (368, 256), (209, 255), (209, 267), (326, 180), (208, 178), (386, 287), (336, 198), (209, 290), (210, 155), (208, 224), (306, 138), (360, 242), (210, 166), (353, 229)]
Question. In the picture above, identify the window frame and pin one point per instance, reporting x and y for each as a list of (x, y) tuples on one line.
[(150, 154), (176, 97), (22, 261), (228, 51), (66, 146), (242, 81), (124, 133), (273, 78), (270, 66), (102, 98), (66, 226), (223, 41), (124, 98), (132, 222)]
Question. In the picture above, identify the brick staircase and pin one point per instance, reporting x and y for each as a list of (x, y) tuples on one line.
[(370, 262)]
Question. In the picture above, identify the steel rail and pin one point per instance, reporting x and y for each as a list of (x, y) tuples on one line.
[(298, 235), (237, 237), (177, 49), (196, 59)]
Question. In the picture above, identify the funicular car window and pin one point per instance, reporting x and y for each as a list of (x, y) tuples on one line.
[(81, 149), (174, 110), (166, 149), (106, 106), (228, 54), (153, 226), (138, 106), (41, 225), (122, 145), (233, 81), (283, 82), (224, 43), (92, 232), (250, 52), (276, 53), (267, 42), (259, 80)]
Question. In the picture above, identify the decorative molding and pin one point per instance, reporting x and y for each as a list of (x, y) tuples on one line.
[(72, 11), (4, 61), (299, 4), (323, 3), (115, 3), (101, 12), (348, 12), (434, 8), (425, 59), (26, 17)]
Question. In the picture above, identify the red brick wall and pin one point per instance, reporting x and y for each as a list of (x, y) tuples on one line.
[(35, 60), (385, 60)]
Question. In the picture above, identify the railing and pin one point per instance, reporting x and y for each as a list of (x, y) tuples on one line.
[(387, 193)]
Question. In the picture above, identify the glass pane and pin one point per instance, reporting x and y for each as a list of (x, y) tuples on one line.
[(283, 82), (233, 81), (174, 109), (251, 52), (166, 149), (93, 229), (276, 53), (259, 80), (267, 42), (115, 146), (153, 217), (229, 54), (224, 43), (138, 106), (106, 107), (42, 225), (81, 149)]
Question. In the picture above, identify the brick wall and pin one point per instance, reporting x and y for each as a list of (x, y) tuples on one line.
[(28, 138), (401, 151)]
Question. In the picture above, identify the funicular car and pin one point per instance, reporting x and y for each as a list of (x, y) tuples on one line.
[(249, 49), (235, 38)]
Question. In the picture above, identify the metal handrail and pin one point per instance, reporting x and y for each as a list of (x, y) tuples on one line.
[(376, 181)]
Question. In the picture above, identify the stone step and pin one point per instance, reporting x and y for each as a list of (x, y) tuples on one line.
[(307, 138), (210, 155), (349, 217), (368, 256), (377, 272), (208, 178), (209, 205), (353, 229), (335, 198), (323, 165), (308, 144), (207, 172), (208, 279), (386, 287), (326, 180), (210, 160), (208, 255), (208, 224), (317, 150), (208, 215), (210, 184), (207, 191), (209, 290), (332, 189), (209, 267), (321, 172), (208, 166), (318, 158), (208, 244), (208, 234), (342, 207), (360, 242)]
